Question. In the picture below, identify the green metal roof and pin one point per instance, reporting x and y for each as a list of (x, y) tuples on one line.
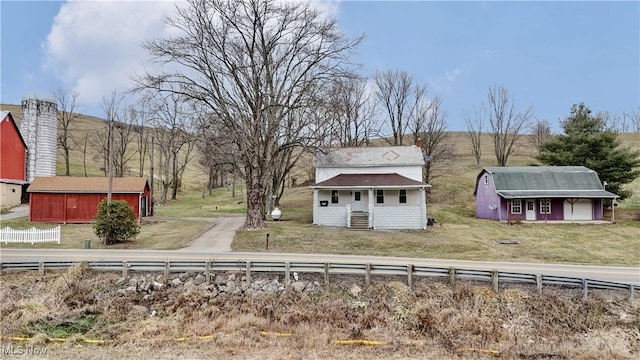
[(548, 181)]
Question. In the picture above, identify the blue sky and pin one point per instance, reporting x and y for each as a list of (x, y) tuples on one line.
[(549, 55)]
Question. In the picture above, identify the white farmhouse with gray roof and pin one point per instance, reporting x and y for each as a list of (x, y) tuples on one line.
[(540, 193), (370, 188)]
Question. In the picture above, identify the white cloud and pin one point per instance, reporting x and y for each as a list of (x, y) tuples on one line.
[(95, 46)]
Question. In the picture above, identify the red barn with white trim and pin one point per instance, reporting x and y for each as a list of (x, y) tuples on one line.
[(13, 152), (69, 199)]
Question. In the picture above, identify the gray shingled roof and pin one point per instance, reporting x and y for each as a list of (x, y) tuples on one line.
[(548, 181), (369, 180), (370, 156)]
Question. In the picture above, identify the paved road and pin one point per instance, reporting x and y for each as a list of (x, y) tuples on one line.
[(217, 238), (606, 273)]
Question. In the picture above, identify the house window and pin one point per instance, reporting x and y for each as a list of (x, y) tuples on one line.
[(403, 196), (545, 206), (380, 196), (516, 206), (334, 196), (486, 179)]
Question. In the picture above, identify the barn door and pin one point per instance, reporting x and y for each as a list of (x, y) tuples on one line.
[(143, 206)]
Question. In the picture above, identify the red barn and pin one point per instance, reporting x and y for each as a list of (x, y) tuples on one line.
[(69, 199), (13, 152)]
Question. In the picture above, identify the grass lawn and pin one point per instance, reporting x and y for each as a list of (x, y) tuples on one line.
[(156, 234), (458, 235)]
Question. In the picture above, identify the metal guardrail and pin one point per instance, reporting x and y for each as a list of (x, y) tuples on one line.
[(332, 268)]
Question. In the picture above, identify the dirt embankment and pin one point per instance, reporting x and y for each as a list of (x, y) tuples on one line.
[(228, 318)]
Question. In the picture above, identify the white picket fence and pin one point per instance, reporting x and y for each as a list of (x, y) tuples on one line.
[(30, 236)]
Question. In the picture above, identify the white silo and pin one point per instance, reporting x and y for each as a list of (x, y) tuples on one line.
[(39, 129)]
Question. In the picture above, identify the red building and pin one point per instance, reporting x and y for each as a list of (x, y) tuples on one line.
[(13, 152), (69, 199)]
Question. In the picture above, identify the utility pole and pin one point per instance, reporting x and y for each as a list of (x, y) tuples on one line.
[(153, 147)]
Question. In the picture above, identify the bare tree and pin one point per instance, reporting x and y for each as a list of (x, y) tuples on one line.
[(250, 64), (399, 97), (475, 125), (430, 125), (138, 121), (633, 117), (507, 124), (351, 111), (172, 120), (540, 131), (67, 120)]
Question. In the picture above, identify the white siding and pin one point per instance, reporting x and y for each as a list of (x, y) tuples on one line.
[(410, 171), (400, 217), (38, 128), (330, 216)]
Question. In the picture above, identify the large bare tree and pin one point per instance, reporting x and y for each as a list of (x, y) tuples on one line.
[(399, 96), (67, 121), (250, 64), (430, 125), (507, 124)]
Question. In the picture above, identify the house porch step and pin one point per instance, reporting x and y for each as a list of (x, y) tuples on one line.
[(359, 221)]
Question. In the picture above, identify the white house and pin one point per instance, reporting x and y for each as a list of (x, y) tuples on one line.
[(370, 188)]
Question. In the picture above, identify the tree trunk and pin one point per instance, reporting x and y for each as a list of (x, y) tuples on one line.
[(255, 200)]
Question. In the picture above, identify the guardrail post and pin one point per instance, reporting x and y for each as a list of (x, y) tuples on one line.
[(585, 288), (539, 283), (167, 269), (41, 268), (207, 271), (632, 293), (248, 275), (367, 274), (410, 275), (494, 280), (125, 268), (287, 270), (452, 276), (326, 273)]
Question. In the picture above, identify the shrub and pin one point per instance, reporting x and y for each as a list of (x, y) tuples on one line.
[(115, 222)]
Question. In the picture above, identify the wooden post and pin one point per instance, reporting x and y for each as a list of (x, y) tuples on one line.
[(167, 268), (41, 267), (585, 288), (452, 276), (539, 283), (287, 270), (326, 273), (494, 280), (410, 275), (207, 271), (248, 272), (367, 274), (125, 269)]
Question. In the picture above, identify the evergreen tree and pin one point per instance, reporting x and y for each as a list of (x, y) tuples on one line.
[(588, 142), (115, 221)]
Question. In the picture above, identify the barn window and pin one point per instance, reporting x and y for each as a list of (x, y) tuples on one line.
[(380, 196), (334, 196), (516, 206), (403, 196), (545, 206)]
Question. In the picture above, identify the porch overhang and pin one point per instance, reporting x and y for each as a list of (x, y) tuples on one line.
[(556, 194), (370, 181)]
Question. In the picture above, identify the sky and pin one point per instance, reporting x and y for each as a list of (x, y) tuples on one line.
[(548, 55)]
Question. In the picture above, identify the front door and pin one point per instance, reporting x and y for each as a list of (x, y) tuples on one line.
[(531, 210), (356, 201)]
